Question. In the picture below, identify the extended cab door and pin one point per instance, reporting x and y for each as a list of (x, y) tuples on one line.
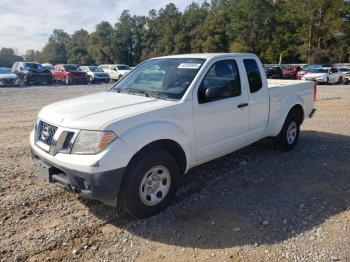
[(220, 111), (259, 102)]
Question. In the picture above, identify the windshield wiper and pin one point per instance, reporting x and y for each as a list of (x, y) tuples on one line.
[(146, 93)]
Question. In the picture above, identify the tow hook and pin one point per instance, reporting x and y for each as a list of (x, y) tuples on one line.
[(76, 189)]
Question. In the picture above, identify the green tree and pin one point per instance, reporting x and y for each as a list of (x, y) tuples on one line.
[(77, 48), (8, 57), (55, 51), (100, 44)]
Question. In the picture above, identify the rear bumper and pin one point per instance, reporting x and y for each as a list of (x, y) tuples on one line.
[(102, 186)]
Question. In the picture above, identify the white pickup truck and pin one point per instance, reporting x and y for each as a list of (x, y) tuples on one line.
[(129, 145)]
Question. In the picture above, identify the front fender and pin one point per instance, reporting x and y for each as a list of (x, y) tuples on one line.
[(141, 135)]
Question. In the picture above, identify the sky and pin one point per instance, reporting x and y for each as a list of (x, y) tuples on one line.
[(27, 24)]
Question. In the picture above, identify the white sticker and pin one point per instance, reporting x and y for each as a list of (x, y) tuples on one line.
[(189, 66)]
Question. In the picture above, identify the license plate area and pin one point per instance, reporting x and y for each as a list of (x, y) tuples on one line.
[(45, 170)]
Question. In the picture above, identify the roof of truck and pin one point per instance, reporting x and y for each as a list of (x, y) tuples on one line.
[(207, 55)]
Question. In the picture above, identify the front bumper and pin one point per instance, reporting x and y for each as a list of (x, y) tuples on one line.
[(39, 78), (102, 186), (96, 177)]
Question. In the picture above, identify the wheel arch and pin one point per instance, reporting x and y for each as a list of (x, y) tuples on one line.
[(168, 145)]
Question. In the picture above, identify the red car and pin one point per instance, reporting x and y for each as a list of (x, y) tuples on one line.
[(69, 74), (290, 72)]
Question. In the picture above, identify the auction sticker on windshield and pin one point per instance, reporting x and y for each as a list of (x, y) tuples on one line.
[(189, 66)]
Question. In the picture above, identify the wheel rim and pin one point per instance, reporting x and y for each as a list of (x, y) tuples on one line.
[(155, 185), (291, 132)]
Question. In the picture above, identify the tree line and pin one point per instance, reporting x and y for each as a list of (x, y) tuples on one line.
[(299, 31)]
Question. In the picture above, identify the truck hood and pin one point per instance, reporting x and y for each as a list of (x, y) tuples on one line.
[(97, 110)]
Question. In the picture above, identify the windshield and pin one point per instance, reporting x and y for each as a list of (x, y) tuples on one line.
[(71, 68), (166, 77), (312, 67), (95, 69), (123, 67), (33, 66), (4, 70), (290, 68), (319, 70)]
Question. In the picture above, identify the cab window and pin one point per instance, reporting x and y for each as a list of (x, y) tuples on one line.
[(221, 81), (253, 74)]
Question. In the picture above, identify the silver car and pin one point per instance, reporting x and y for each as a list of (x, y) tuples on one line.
[(95, 74)]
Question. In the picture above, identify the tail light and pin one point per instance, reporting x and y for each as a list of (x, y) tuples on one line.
[(315, 91)]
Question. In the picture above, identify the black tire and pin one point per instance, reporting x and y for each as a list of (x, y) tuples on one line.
[(340, 81), (130, 194), (283, 141)]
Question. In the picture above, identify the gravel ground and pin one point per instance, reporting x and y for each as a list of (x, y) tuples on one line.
[(254, 204)]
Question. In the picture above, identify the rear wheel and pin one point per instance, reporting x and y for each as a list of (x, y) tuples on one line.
[(150, 183), (289, 135)]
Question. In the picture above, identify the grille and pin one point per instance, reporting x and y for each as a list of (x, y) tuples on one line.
[(8, 81), (45, 132)]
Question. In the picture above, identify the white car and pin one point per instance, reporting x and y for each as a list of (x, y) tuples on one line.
[(95, 74), (8, 78), (327, 75), (117, 71), (129, 145)]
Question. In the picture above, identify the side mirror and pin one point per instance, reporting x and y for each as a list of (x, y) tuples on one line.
[(21, 68), (212, 92), (115, 69)]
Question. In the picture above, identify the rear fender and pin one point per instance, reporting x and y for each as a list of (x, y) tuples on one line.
[(287, 105)]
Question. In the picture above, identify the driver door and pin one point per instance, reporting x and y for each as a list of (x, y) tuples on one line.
[(221, 110)]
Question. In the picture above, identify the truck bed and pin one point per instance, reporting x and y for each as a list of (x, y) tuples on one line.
[(282, 94)]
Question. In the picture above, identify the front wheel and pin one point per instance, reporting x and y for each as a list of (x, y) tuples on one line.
[(289, 135), (340, 81), (150, 183)]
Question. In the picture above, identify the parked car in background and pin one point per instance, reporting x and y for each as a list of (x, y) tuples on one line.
[(69, 74), (7, 77), (95, 74), (327, 75), (116, 71), (274, 72), (130, 145), (307, 68), (48, 66), (32, 72), (290, 72), (346, 74)]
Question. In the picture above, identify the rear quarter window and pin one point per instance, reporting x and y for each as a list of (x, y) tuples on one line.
[(253, 75)]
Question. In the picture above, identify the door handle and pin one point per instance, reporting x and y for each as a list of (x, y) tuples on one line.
[(242, 105)]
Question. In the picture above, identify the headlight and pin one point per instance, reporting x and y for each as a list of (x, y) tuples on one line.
[(92, 142)]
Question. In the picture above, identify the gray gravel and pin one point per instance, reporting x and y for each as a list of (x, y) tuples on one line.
[(254, 204)]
